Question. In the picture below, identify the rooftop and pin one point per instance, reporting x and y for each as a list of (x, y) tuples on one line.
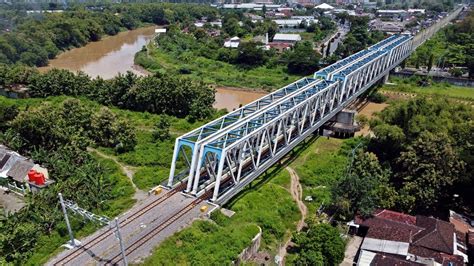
[(401, 234), (324, 6), (287, 37)]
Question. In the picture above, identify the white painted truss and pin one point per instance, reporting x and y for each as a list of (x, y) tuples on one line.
[(232, 154)]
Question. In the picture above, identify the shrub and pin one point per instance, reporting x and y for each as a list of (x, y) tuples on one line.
[(377, 97)]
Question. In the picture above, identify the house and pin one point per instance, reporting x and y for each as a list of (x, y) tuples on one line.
[(289, 23), (22, 173), (393, 238), (387, 27), (233, 42), (392, 14), (286, 38), (280, 47), (308, 19)]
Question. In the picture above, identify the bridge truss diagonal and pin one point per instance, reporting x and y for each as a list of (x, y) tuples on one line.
[(228, 153)]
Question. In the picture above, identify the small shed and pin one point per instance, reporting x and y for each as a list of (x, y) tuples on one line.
[(287, 38), (233, 42)]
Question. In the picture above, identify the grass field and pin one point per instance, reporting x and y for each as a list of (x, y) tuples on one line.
[(217, 72), (435, 88)]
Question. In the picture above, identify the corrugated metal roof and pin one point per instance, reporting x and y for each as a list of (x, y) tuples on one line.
[(286, 37), (19, 170), (366, 257), (386, 246)]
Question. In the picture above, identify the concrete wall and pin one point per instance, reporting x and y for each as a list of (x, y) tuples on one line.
[(251, 250), (345, 116)]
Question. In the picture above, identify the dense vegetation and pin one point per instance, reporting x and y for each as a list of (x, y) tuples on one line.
[(358, 38), (452, 47), (56, 136), (319, 244), (188, 50), (158, 94), (420, 160), (33, 39)]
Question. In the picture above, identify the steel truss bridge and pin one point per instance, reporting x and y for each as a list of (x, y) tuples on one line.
[(228, 153)]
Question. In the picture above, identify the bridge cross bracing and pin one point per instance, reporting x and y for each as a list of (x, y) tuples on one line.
[(230, 156), (229, 152)]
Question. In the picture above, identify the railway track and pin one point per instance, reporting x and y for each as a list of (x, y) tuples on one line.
[(83, 248), (137, 244)]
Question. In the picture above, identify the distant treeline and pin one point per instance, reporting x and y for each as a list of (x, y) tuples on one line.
[(35, 38)]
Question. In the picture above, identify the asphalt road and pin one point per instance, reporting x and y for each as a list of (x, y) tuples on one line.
[(142, 227)]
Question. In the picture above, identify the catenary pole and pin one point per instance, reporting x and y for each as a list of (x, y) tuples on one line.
[(61, 200)]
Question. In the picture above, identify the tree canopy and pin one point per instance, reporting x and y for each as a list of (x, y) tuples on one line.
[(36, 38), (319, 244)]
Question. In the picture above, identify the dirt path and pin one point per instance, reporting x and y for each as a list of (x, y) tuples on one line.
[(126, 169), (297, 194)]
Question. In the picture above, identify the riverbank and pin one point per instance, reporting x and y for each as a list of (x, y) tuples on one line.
[(106, 58), (211, 71)]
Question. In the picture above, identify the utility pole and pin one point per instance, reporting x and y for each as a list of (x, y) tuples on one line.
[(119, 236), (61, 200)]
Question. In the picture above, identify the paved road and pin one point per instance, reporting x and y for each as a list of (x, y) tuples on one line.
[(343, 30), (135, 230)]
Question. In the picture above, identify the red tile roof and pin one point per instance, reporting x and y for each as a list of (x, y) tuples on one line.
[(438, 235), (428, 237), (389, 260), (396, 216), (380, 228), (439, 257)]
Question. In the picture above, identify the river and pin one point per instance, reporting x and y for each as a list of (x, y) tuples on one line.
[(114, 54)]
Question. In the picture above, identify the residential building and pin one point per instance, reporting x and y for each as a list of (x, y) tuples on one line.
[(393, 238), (233, 42), (395, 14), (280, 47), (289, 23), (387, 26)]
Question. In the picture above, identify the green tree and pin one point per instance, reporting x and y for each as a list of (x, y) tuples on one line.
[(59, 82), (161, 130), (109, 131), (428, 168), (250, 55), (231, 27), (320, 244), (364, 188), (302, 59)]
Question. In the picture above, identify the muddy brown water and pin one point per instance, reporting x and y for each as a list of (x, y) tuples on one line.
[(231, 98), (112, 55), (107, 57)]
